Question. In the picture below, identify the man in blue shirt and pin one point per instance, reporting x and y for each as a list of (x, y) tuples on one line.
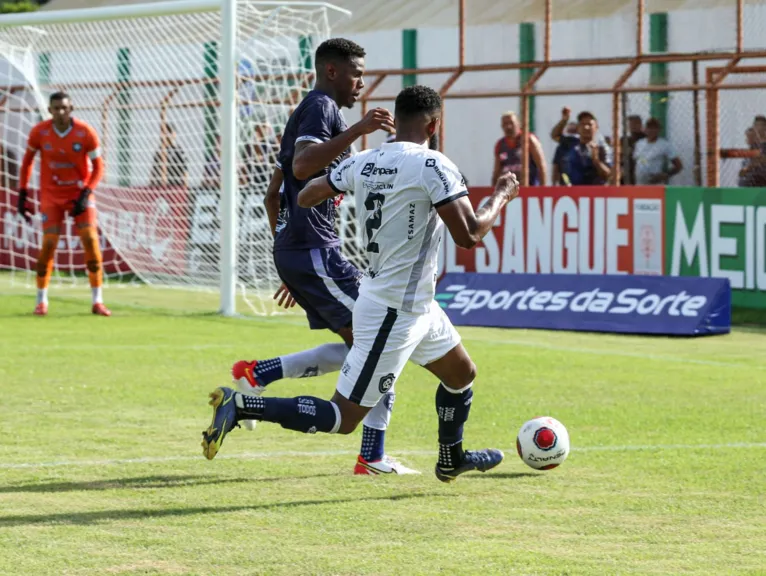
[(584, 159), (587, 161), (307, 255)]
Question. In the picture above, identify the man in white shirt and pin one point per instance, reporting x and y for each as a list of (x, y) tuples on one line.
[(405, 194), (655, 158)]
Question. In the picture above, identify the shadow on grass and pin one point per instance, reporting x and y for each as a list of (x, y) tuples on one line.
[(500, 476), (143, 482), (86, 518)]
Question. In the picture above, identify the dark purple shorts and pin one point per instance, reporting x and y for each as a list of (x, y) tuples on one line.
[(323, 283)]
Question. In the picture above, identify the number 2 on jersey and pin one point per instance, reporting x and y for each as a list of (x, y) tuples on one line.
[(374, 203)]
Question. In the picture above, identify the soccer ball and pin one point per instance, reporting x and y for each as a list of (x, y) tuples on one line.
[(543, 443)]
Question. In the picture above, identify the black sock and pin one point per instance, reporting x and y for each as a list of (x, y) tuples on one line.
[(303, 414), (452, 407)]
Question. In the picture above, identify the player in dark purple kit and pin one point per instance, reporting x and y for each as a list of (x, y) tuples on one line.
[(307, 255)]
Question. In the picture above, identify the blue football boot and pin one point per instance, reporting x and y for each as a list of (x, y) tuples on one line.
[(481, 460), (224, 421)]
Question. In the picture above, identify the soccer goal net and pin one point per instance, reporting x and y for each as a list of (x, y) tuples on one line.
[(148, 79)]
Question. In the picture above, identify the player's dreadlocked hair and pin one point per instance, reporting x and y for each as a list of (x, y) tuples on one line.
[(336, 49), (418, 101)]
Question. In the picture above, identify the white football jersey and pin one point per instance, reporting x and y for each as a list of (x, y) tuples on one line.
[(397, 188)]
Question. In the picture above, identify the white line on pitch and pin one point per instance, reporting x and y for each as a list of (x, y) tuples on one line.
[(597, 352), (520, 343), (330, 453)]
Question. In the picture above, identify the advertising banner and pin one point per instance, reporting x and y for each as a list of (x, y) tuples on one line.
[(609, 303), (145, 227), (20, 241), (719, 233), (560, 230)]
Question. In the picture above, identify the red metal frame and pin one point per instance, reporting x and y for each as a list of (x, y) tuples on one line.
[(714, 82)]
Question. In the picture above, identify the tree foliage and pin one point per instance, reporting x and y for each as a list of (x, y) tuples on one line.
[(14, 6)]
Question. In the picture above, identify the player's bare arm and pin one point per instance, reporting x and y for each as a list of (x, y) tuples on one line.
[(311, 157), (558, 129), (538, 156), (467, 227), (598, 155), (271, 200), (316, 192)]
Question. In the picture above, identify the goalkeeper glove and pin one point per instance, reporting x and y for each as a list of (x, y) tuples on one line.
[(22, 207), (81, 204)]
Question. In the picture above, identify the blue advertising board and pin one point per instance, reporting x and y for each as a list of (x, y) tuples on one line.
[(593, 303)]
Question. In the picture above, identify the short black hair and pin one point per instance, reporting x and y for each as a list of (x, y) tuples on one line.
[(418, 100), (585, 115), (58, 97), (336, 49), (634, 117), (760, 119), (653, 123)]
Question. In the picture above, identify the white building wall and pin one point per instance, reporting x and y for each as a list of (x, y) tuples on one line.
[(472, 125)]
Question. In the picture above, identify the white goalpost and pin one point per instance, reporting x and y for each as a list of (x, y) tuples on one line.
[(189, 98)]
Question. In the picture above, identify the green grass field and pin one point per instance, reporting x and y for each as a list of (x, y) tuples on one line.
[(102, 471)]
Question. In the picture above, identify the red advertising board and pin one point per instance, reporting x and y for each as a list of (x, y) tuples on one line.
[(141, 228), (584, 230)]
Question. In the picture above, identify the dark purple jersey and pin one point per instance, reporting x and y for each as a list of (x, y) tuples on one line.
[(316, 119)]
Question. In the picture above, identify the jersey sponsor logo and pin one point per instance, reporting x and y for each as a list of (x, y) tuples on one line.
[(369, 169), (339, 173), (77, 147), (377, 186), (60, 165), (385, 383), (411, 222), (628, 301), (431, 163)]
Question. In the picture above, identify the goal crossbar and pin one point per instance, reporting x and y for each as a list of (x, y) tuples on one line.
[(149, 9)]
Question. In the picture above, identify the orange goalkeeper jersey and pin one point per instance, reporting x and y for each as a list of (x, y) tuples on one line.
[(65, 158)]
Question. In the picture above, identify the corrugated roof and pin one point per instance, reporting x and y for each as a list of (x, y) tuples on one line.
[(371, 15)]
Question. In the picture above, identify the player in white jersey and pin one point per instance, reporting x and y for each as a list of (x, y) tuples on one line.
[(405, 194)]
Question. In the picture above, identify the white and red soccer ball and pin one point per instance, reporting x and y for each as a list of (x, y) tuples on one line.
[(543, 443)]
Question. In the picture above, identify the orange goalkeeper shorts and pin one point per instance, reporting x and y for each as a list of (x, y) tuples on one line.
[(54, 206)]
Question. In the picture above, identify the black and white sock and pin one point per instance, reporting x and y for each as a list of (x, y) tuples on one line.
[(452, 408)]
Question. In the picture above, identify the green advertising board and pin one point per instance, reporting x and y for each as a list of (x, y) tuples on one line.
[(719, 232)]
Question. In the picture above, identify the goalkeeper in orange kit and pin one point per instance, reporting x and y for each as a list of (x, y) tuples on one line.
[(70, 169)]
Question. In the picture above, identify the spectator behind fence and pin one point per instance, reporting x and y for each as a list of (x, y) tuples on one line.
[(655, 158), (169, 166), (588, 160), (508, 153), (628, 146), (568, 138), (759, 125), (753, 171)]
